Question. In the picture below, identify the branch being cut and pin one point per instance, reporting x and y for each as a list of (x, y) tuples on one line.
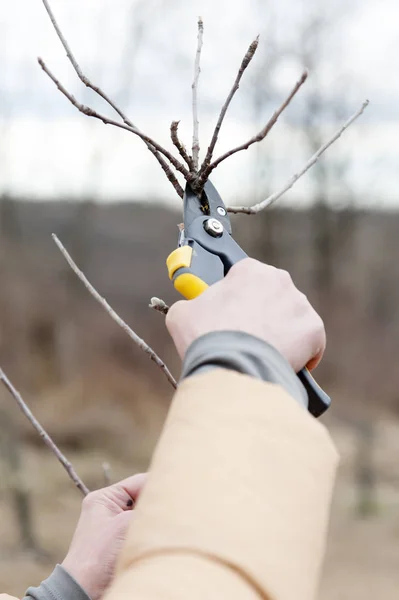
[(180, 147), (86, 110), (251, 210), (261, 135), (196, 178), (194, 87), (43, 434), (245, 62), (165, 167), (137, 339)]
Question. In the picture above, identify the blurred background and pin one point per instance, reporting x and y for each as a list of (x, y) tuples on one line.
[(105, 196)]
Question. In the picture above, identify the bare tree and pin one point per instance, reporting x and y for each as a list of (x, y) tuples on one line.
[(188, 166), (167, 160)]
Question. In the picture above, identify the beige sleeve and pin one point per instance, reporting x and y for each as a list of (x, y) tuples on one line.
[(238, 498)]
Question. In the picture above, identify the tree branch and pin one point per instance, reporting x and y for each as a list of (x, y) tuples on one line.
[(168, 171), (107, 473), (77, 68), (43, 434), (137, 339), (180, 147), (165, 167), (259, 136), (86, 110), (194, 87), (159, 305), (245, 62), (251, 210)]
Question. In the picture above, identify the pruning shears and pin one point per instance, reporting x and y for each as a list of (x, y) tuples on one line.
[(206, 252)]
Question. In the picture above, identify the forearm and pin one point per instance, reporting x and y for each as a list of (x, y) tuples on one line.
[(181, 576), (238, 493)]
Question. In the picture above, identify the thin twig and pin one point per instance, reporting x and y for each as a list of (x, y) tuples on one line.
[(165, 167), (86, 110), (263, 133), (194, 87), (107, 473), (76, 66), (251, 210), (167, 170), (159, 305), (137, 339), (180, 147), (245, 62), (43, 434)]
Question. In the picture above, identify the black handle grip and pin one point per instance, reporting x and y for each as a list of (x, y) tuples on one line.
[(319, 401)]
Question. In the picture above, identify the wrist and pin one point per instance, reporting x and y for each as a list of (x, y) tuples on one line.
[(82, 573), (60, 584), (244, 353)]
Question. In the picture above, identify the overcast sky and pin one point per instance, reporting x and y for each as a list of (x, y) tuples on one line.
[(142, 53)]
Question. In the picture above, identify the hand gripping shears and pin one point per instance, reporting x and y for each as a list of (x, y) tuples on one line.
[(205, 254)]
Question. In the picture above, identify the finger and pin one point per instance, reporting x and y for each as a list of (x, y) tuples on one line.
[(173, 314), (120, 527), (124, 520), (134, 484), (314, 362), (128, 490), (122, 523), (319, 346), (118, 497)]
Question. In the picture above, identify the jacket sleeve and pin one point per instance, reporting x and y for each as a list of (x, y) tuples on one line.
[(58, 586), (237, 500)]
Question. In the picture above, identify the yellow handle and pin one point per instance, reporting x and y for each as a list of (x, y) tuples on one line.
[(186, 283), (190, 286), (178, 259)]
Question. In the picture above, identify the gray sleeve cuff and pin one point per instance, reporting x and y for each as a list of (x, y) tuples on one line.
[(59, 586), (245, 354)]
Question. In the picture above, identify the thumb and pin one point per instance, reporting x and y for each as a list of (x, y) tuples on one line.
[(173, 315), (123, 523)]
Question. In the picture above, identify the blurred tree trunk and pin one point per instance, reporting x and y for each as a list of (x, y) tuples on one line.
[(76, 237), (323, 109), (9, 225), (262, 96), (11, 457), (314, 112), (365, 473), (13, 302)]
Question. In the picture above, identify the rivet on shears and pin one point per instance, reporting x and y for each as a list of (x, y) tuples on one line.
[(213, 227)]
